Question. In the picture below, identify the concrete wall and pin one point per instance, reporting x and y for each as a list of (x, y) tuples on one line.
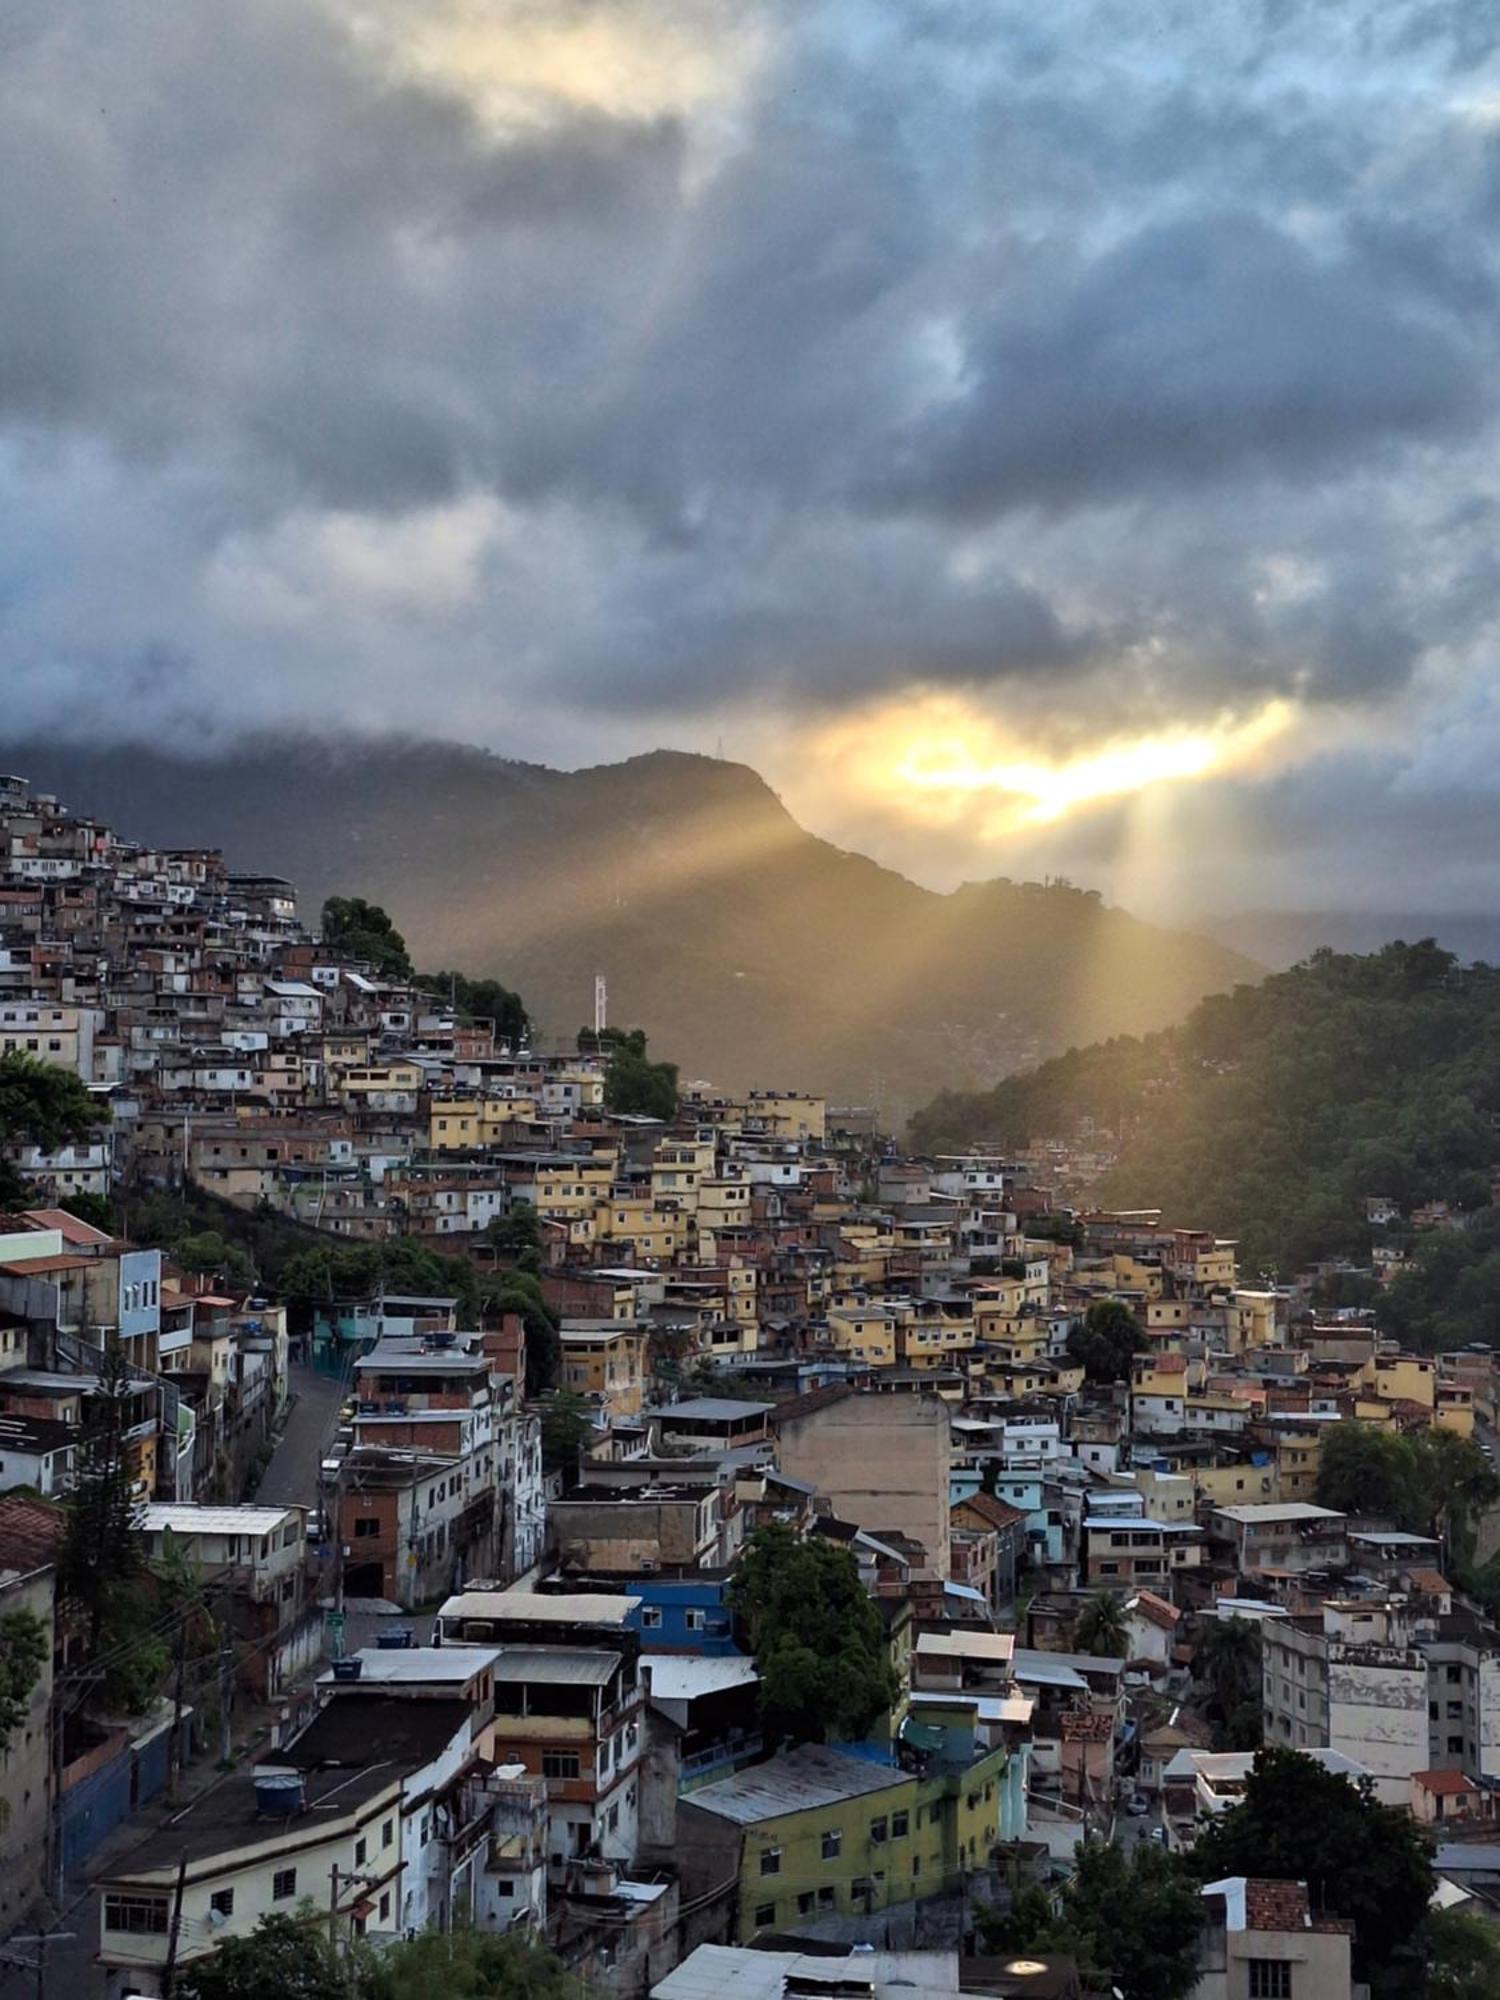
[(882, 1462), (1377, 1714)]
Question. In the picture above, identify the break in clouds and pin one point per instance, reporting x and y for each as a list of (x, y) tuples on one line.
[(573, 377)]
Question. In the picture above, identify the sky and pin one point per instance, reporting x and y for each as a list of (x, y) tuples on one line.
[(1041, 439)]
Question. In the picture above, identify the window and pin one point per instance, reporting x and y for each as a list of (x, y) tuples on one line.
[(651, 1618), (1270, 1979), (559, 1763), (385, 1906), (222, 1900), (770, 1861), (387, 1833), (827, 1899), (877, 1832), (141, 1915), (1455, 1711), (833, 1843), (366, 1524), (899, 1826), (696, 1619), (360, 1851), (283, 1884), (1455, 1746), (806, 1903), (765, 1916)]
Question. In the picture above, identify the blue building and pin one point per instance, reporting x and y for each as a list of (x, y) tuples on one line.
[(681, 1611)]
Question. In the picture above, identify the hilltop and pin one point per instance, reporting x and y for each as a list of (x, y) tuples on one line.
[(752, 950), (1271, 1113)]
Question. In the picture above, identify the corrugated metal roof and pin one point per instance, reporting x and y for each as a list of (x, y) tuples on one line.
[(800, 1780), (190, 1518), (682, 1677), (577, 1666), (533, 1608)]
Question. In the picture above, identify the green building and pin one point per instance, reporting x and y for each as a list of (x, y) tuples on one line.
[(819, 1831)]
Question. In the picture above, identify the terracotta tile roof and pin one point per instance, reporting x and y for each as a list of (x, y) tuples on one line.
[(996, 1513), (1445, 1784), (72, 1229), (1275, 1906), (31, 1532), (1155, 1608), (1431, 1582)]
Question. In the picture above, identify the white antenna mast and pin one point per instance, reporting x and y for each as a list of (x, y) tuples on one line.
[(601, 1004)]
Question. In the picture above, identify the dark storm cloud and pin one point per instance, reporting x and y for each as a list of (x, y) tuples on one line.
[(1106, 354), (1196, 348)]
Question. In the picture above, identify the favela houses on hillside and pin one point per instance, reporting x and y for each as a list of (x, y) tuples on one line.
[(447, 1507)]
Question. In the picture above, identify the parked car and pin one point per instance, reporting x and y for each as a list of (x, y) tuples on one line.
[(1137, 1805)]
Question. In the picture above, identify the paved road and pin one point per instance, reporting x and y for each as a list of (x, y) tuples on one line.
[(291, 1479)]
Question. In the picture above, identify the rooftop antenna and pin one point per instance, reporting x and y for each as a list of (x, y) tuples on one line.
[(601, 1004)]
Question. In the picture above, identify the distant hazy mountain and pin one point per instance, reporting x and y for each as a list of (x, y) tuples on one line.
[(750, 950), (1279, 938)]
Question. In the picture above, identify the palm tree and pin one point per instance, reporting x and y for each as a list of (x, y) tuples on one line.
[(1101, 1628), (1226, 1662)]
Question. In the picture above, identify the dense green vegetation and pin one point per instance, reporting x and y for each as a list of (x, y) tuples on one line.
[(818, 1642), (1361, 1860), (1130, 1918), (363, 930), (632, 1082), (1272, 1112), (40, 1106), (290, 1957), (1105, 1340)]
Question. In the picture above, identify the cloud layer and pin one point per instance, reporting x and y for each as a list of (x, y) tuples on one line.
[(578, 374)]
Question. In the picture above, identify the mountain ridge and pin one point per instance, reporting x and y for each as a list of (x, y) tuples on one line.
[(752, 950)]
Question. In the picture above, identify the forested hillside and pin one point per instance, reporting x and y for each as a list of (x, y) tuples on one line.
[(1271, 1112)]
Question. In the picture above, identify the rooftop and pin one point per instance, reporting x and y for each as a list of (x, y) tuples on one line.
[(1266, 1513), (682, 1677), (419, 1664), (575, 1666), (193, 1518), (710, 1409), (798, 1780)]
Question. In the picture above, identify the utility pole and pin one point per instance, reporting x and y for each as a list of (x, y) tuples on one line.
[(169, 1970), (226, 1682), (41, 1939)]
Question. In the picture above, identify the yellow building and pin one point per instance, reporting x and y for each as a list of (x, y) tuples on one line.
[(469, 1124), (784, 1114), (864, 1332), (605, 1358)]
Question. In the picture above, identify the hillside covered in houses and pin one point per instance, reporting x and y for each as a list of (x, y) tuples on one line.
[(752, 948)]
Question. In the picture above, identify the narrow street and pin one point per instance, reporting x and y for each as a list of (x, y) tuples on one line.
[(291, 1479)]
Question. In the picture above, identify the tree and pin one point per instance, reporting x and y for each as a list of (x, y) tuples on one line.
[(1101, 1628), (1429, 1482), (818, 1641), (515, 1231), (1226, 1667), (23, 1652), (40, 1105), (1463, 1956), (632, 1082), (285, 1956), (100, 1553), (1130, 1918), (567, 1423), (1104, 1341), (1360, 1859), (520, 1292), (483, 1000), (469, 1965), (95, 1209), (208, 1254), (1135, 1919), (357, 929), (1361, 1470)]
